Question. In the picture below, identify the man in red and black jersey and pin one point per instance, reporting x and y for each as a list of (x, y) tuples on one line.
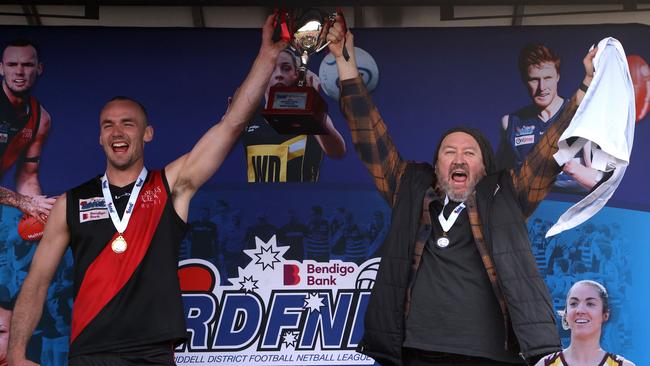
[(24, 125), (127, 301)]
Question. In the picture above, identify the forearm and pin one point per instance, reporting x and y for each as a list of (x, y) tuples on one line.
[(190, 171), (26, 315), (332, 143), (11, 198), (371, 139), (539, 170), (27, 184), (248, 96)]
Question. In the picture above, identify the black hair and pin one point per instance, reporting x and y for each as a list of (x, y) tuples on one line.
[(21, 42)]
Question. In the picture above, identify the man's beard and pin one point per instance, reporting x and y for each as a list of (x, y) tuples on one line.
[(444, 183)]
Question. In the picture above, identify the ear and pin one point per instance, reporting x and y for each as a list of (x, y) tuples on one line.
[(606, 317), (148, 133), (2, 69), (39, 69)]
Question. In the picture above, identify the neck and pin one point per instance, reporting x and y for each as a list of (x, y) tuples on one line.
[(15, 100), (548, 112), (585, 350), (121, 178)]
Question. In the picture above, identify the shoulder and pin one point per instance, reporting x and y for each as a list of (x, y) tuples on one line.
[(620, 360), (504, 122), (550, 359), (419, 167)]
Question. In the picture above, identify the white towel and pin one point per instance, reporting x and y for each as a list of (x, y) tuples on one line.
[(606, 117)]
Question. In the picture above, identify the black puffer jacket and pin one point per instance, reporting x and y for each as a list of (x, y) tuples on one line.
[(528, 301)]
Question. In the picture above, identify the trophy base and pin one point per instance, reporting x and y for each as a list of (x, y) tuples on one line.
[(296, 110)]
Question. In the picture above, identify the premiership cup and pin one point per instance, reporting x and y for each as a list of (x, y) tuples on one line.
[(299, 109)]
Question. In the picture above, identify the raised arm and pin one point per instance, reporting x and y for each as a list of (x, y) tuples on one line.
[(29, 305), (369, 133), (540, 169), (186, 174)]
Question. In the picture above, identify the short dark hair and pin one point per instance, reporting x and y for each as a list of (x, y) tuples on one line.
[(122, 98), (536, 54), (21, 42)]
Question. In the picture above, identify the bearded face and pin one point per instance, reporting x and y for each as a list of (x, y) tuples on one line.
[(459, 166)]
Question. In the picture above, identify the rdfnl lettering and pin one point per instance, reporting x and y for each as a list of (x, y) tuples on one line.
[(243, 320), (326, 275)]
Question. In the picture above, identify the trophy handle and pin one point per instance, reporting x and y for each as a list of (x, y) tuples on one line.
[(282, 25), (346, 55), (331, 20)]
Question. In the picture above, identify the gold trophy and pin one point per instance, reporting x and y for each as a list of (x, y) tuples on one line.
[(300, 109)]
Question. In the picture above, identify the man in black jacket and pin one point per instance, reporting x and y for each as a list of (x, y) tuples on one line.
[(457, 282)]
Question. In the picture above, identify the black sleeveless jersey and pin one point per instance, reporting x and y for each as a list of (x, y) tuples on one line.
[(132, 298)]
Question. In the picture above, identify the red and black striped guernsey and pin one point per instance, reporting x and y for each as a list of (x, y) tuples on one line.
[(132, 298)]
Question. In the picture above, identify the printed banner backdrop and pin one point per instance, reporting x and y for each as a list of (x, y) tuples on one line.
[(280, 274)]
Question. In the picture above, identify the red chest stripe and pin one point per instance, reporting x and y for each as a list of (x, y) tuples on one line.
[(109, 272)]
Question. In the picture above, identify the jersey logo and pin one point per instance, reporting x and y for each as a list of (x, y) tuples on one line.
[(252, 128), (26, 134), (91, 209), (4, 138), (524, 130), (524, 140)]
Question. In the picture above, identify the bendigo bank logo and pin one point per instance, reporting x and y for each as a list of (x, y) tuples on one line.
[(276, 311)]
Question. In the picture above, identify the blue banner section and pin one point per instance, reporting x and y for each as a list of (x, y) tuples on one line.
[(277, 274)]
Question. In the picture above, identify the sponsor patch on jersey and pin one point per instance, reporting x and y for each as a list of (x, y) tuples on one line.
[(26, 134), (91, 209), (3, 138), (252, 128), (524, 130), (524, 140), (92, 215)]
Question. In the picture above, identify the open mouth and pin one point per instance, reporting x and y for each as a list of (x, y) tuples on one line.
[(120, 146), (459, 176), (582, 321)]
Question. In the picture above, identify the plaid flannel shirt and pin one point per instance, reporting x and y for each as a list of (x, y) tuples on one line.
[(380, 156)]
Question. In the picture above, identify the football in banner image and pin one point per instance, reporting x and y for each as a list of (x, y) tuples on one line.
[(30, 229), (329, 75), (640, 74)]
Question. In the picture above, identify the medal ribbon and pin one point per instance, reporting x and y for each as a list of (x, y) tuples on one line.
[(448, 223), (120, 225)]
